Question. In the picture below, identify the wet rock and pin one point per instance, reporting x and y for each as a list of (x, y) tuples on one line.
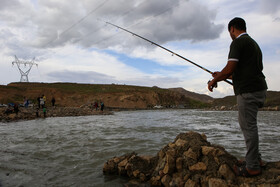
[(110, 167), (223, 108), (170, 162), (214, 182), (226, 172), (206, 150), (191, 154), (155, 181), (166, 179), (190, 160), (179, 164), (180, 142), (142, 177), (191, 183), (200, 166)]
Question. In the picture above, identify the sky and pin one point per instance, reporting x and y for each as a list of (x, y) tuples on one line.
[(71, 41)]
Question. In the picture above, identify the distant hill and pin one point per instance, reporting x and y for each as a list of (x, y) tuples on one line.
[(114, 96), (193, 95), (118, 96), (272, 100)]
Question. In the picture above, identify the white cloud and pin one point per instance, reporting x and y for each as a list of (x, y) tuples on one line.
[(194, 29), (271, 71), (269, 7)]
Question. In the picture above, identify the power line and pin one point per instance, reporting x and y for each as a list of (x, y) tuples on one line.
[(153, 16), (79, 21), (124, 14), (99, 28), (141, 21)]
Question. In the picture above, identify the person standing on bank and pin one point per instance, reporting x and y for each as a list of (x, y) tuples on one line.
[(245, 67), (42, 102), (102, 106), (53, 101)]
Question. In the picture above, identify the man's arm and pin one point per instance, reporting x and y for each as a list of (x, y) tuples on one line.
[(224, 74)]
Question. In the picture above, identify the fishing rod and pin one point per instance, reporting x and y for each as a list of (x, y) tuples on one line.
[(173, 53)]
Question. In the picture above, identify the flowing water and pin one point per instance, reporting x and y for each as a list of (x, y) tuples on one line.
[(71, 151)]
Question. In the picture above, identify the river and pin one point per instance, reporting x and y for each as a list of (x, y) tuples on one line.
[(71, 151)]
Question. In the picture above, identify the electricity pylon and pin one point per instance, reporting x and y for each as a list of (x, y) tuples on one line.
[(24, 74)]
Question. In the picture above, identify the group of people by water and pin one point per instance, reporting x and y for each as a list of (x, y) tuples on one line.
[(42, 101), (96, 106), (41, 106)]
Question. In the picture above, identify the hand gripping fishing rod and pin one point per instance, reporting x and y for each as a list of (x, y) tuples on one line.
[(173, 53)]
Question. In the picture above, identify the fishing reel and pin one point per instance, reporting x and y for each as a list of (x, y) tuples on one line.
[(214, 86)]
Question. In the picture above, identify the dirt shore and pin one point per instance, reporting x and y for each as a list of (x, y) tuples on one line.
[(32, 113)]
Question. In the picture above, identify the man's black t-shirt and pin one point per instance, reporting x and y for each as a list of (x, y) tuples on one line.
[(248, 76)]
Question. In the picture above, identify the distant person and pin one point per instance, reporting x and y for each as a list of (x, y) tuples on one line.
[(42, 102), (45, 112), (37, 112), (96, 105), (53, 101), (38, 101), (26, 102), (9, 110), (102, 106), (45, 99), (16, 110), (245, 67)]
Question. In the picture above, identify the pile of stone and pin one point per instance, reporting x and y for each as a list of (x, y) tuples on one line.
[(188, 161)]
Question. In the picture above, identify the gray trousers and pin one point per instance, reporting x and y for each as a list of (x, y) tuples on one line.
[(248, 105)]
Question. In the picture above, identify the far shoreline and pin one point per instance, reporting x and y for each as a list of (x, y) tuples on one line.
[(30, 113), (26, 114)]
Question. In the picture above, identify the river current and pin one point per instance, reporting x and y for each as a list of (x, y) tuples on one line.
[(71, 151)]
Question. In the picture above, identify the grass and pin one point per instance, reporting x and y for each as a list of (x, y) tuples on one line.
[(90, 88)]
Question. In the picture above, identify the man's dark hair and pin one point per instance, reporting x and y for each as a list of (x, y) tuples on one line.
[(237, 23)]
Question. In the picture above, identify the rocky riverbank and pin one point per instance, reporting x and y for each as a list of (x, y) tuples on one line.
[(32, 113), (190, 160), (227, 108)]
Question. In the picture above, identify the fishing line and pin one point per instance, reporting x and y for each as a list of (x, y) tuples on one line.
[(173, 53)]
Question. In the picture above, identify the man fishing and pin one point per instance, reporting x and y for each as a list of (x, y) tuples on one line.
[(245, 67)]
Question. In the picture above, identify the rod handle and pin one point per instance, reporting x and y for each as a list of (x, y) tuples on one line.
[(227, 81)]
